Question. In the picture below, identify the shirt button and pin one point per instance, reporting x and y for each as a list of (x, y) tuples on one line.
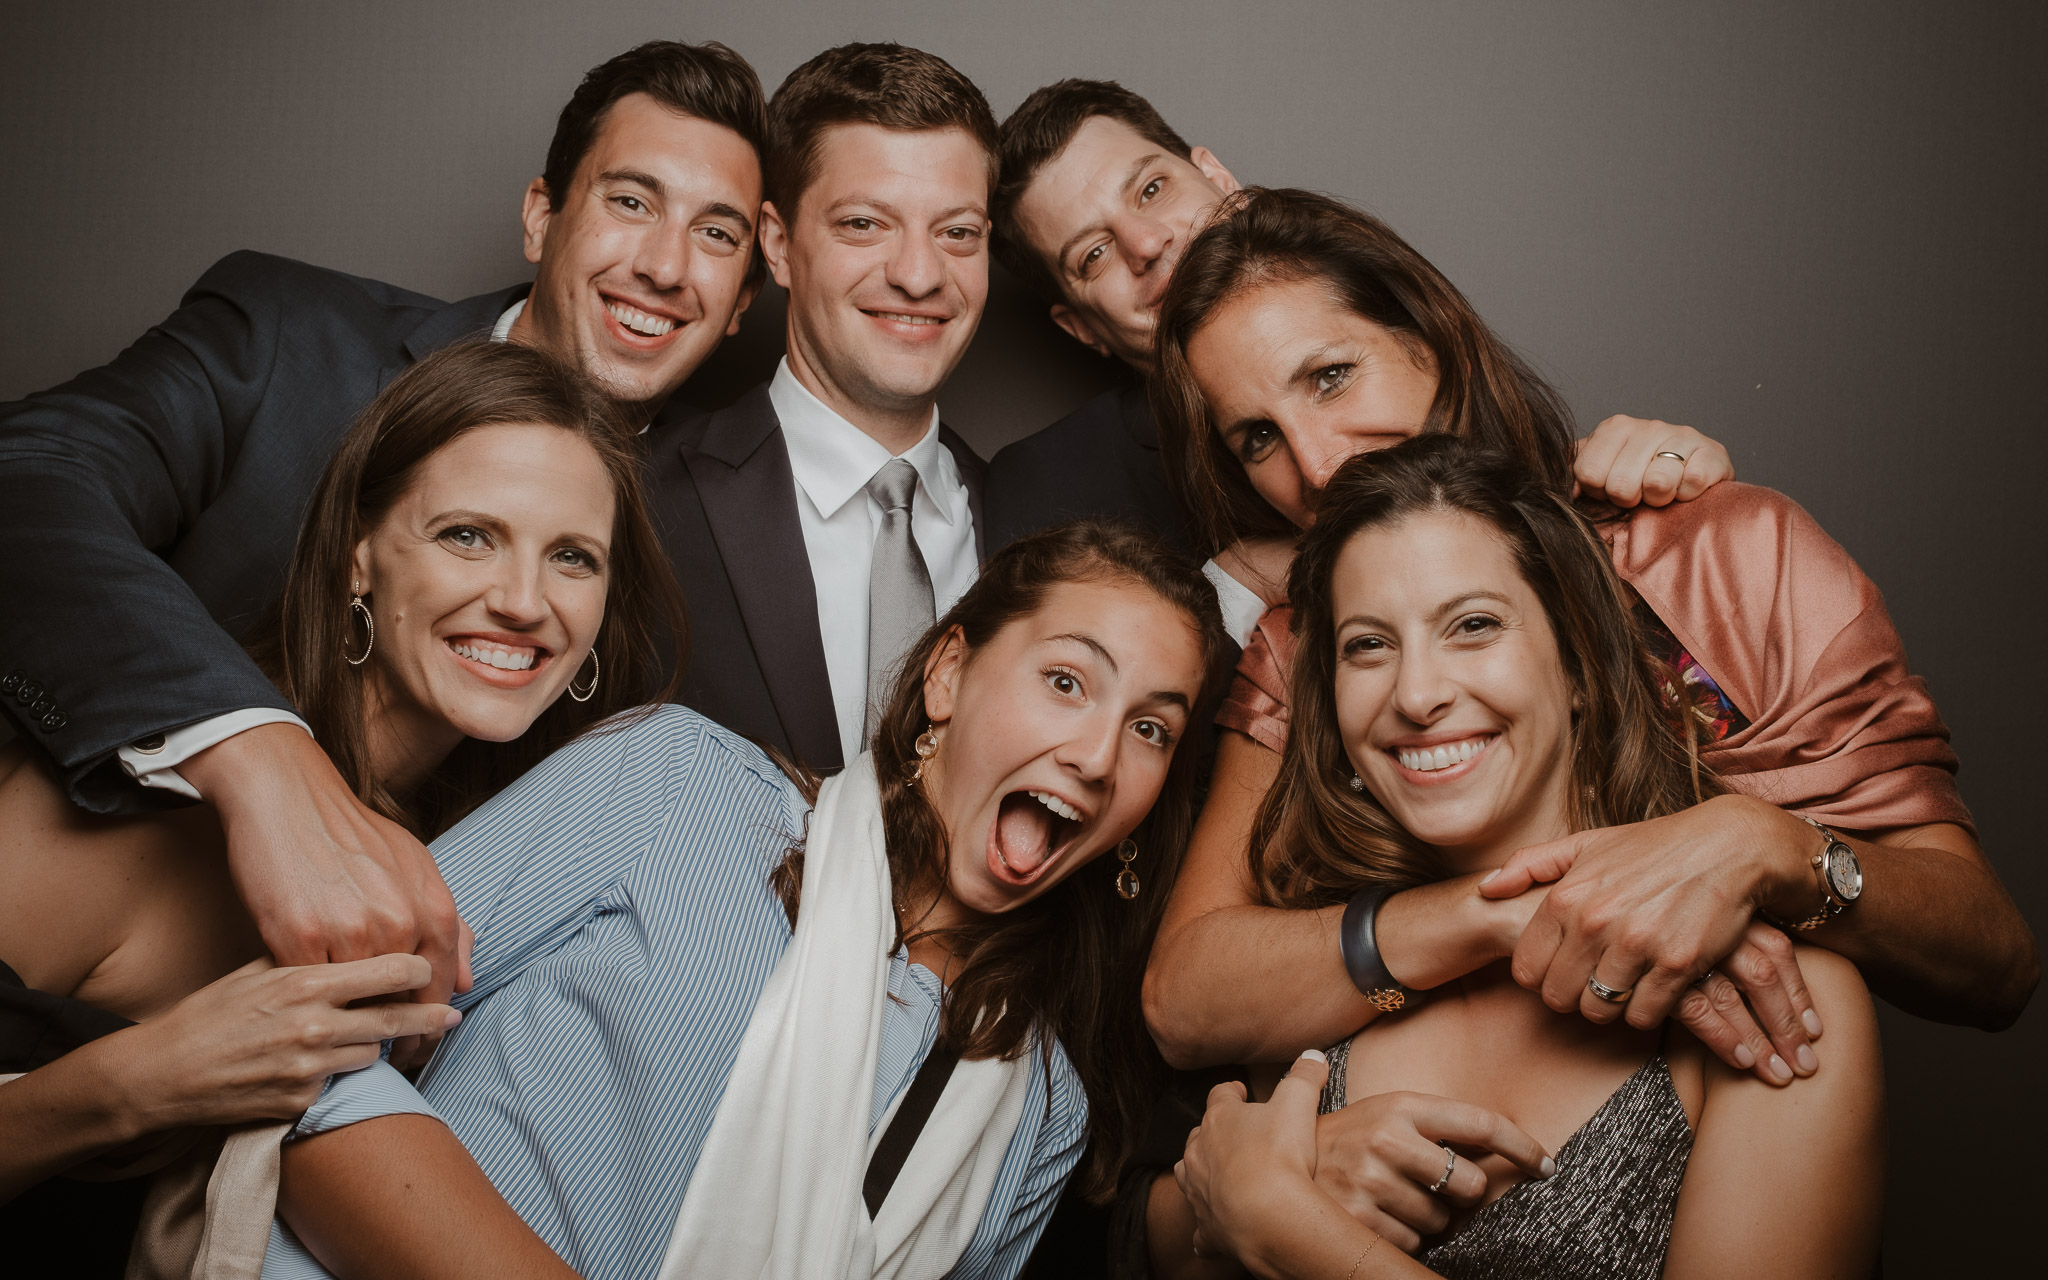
[(42, 706), (54, 721), (149, 746)]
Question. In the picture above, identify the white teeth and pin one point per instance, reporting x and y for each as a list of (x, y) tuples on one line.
[(900, 318), (494, 655), (1431, 759), (1057, 805), (638, 321)]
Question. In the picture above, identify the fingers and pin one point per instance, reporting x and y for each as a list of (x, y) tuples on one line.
[(354, 980), (1713, 1011), (1228, 1091), (1705, 467), (1463, 1124), (1302, 1086), (1764, 968), (465, 977), (1627, 461), (373, 1024), (1534, 865)]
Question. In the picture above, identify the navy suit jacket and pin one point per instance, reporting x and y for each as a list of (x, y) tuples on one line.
[(724, 499), (149, 506), (1100, 460)]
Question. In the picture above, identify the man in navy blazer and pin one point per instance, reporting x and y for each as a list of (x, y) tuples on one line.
[(152, 503)]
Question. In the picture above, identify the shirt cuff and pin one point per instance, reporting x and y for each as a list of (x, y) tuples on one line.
[(154, 761), (376, 1090), (1242, 607)]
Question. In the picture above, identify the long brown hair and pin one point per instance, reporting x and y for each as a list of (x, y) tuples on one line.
[(1633, 747), (1272, 236), (300, 642), (1006, 990)]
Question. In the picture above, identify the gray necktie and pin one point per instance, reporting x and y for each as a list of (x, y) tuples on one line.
[(899, 589)]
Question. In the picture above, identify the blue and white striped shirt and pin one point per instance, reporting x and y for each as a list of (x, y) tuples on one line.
[(624, 930)]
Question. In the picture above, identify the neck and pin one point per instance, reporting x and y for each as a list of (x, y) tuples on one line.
[(405, 742), (895, 425)]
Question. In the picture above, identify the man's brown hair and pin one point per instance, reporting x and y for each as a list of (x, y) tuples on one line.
[(1037, 131), (889, 85)]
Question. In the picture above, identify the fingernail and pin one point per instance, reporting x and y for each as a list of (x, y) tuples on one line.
[(1743, 1057), (1779, 1071), (454, 1016), (1807, 1062), (1812, 1021), (1314, 1055), (1549, 1167), (1488, 878)]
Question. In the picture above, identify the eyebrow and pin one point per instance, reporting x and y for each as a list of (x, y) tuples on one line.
[(1144, 162), (720, 209), (1447, 607), (1078, 638), (646, 180)]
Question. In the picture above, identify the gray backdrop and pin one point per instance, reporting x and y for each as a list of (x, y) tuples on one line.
[(1816, 235)]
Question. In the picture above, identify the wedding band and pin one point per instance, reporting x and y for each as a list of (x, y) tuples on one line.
[(1611, 995), (1449, 1165), (1669, 453)]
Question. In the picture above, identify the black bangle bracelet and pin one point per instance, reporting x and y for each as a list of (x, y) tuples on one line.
[(1362, 952)]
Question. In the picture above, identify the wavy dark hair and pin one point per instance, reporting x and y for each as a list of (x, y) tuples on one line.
[(1266, 236), (1005, 995), (301, 639), (1634, 736)]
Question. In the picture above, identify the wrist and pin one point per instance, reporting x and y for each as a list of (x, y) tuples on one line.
[(1783, 886), (121, 1099), (230, 771)]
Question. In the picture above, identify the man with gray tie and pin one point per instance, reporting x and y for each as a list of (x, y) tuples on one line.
[(823, 520)]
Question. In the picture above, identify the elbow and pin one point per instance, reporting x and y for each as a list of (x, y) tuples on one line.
[(1170, 1021), (2015, 990)]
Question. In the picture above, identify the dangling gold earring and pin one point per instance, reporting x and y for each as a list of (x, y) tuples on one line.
[(927, 746), (1127, 880), (596, 670), (356, 605)]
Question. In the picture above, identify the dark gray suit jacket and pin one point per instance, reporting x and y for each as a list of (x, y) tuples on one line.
[(144, 500), (1100, 460), (725, 501)]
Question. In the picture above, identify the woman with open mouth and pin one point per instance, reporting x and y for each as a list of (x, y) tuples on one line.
[(477, 549), (1469, 682), (732, 1020)]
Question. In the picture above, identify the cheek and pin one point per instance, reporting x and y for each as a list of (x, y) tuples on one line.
[(1360, 697)]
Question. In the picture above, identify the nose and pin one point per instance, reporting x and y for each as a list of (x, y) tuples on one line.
[(914, 268), (1090, 751), (1318, 454), (518, 594), (1423, 688), (662, 258)]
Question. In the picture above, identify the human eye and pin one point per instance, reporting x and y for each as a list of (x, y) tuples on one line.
[(578, 561), (1155, 732), (1150, 190), (1091, 260), (858, 225), (464, 537), (630, 203), (721, 234), (1364, 645), (1063, 681), (1331, 377), (1476, 626), (1257, 441)]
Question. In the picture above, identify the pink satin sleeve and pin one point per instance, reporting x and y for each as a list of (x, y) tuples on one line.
[(1257, 703)]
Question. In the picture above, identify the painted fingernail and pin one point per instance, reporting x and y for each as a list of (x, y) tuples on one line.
[(1743, 1057), (1779, 1071), (1488, 878), (454, 1016), (1314, 1054), (1549, 1167), (1808, 1063), (1812, 1022)]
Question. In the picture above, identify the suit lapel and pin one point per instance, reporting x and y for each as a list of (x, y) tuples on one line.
[(740, 466), (469, 318), (973, 472)]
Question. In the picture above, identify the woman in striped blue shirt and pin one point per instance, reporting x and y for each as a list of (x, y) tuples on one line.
[(658, 1075)]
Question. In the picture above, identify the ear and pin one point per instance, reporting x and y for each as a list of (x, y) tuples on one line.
[(1077, 327), (942, 676), (1212, 169), (359, 569), (750, 289), (775, 242), (534, 214)]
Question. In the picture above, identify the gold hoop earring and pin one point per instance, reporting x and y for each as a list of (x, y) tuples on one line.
[(927, 746), (596, 670), (356, 605), (1127, 885)]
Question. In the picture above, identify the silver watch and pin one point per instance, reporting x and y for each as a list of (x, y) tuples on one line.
[(1840, 875)]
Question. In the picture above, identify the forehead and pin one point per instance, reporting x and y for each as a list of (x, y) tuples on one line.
[(1084, 181), (518, 470), (925, 168), (1419, 561), (686, 153), (1253, 344), (1155, 645)]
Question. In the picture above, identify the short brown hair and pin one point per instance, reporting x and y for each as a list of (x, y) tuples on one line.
[(1036, 132), (889, 85), (1270, 236), (707, 81)]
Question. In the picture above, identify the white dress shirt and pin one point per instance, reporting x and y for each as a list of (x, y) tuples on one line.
[(833, 460)]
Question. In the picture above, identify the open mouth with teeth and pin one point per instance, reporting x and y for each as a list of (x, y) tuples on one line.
[(1444, 757), (1033, 828), (501, 659), (928, 323), (639, 323)]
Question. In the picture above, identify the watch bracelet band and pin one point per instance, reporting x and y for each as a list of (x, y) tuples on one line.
[(1830, 906), (1361, 951)]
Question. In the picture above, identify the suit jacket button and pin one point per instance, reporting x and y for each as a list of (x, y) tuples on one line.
[(12, 681), (28, 692), (149, 746), (54, 721), (43, 707)]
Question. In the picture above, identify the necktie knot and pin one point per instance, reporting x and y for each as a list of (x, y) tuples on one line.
[(893, 485)]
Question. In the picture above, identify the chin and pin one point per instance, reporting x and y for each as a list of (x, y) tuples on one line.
[(498, 724)]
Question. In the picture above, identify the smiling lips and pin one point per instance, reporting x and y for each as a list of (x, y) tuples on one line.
[(1440, 758), (505, 665), (638, 323), (1032, 829)]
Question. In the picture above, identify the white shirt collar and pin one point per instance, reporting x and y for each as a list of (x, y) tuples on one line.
[(503, 329), (833, 460)]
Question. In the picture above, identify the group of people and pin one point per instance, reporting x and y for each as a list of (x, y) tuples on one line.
[(474, 813)]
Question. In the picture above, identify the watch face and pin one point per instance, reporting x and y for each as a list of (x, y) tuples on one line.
[(1845, 874)]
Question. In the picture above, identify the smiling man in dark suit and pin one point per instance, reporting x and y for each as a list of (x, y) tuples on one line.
[(153, 502), (823, 521)]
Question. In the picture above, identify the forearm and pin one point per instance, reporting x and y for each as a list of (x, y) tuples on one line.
[(1934, 932), (1309, 1237), (398, 1197), (64, 1113)]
